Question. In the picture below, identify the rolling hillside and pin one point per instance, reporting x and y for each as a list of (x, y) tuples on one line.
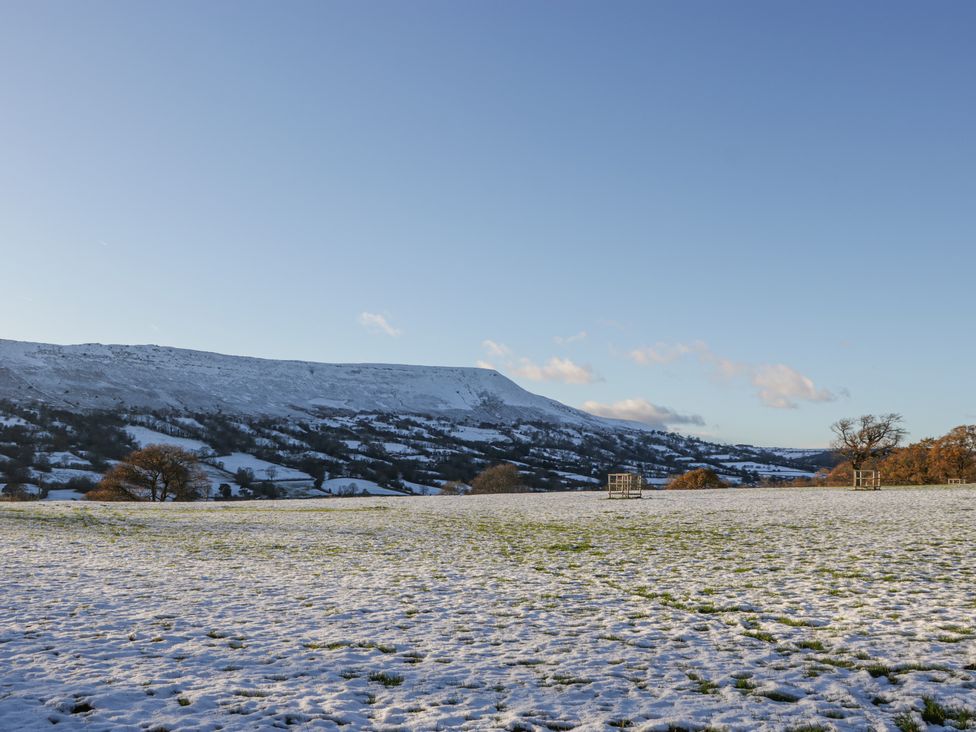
[(66, 412)]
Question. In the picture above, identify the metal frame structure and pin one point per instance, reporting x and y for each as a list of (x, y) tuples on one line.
[(624, 485), (867, 480)]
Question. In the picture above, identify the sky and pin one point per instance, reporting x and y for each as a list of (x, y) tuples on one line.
[(741, 220)]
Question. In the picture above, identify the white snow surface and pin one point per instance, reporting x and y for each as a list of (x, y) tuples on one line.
[(479, 434), (156, 377), (781, 471), (65, 459), (63, 475), (421, 489), (14, 422), (237, 460), (795, 452), (836, 609), (353, 486), (63, 494), (144, 436)]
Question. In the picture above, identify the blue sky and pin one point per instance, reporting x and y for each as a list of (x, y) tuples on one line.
[(743, 220)]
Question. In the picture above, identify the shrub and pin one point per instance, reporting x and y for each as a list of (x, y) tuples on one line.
[(503, 478), (454, 488), (695, 480), (80, 484), (109, 492)]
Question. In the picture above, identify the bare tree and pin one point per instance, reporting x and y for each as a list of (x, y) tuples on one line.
[(154, 473), (867, 438)]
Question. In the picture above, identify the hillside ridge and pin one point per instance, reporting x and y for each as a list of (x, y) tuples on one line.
[(96, 376), (68, 412)]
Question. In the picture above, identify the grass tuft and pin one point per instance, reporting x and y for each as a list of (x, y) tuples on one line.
[(386, 678), (906, 722)]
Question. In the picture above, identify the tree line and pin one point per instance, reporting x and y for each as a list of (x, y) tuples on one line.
[(930, 461), (873, 442)]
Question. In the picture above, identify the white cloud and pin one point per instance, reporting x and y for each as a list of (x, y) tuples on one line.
[(556, 369), (666, 352), (641, 410), (560, 340), (778, 386), (378, 324), (493, 348), (485, 365)]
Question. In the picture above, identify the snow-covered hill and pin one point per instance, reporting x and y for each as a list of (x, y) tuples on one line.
[(96, 376), (312, 428)]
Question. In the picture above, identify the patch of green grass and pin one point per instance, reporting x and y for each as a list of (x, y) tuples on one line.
[(381, 647), (579, 546), (779, 696), (935, 713), (904, 668), (811, 645), (843, 574), (760, 635), (877, 670), (836, 662), (957, 629), (386, 678), (331, 510), (793, 622), (906, 722), (705, 686), (570, 680)]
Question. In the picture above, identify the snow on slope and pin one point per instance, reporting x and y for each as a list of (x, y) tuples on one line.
[(238, 460), (144, 436), (95, 376), (766, 469), (354, 486)]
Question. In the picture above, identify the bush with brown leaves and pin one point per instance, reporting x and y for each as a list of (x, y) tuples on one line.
[(696, 479)]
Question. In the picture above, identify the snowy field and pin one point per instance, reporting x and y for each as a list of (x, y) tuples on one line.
[(739, 610)]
